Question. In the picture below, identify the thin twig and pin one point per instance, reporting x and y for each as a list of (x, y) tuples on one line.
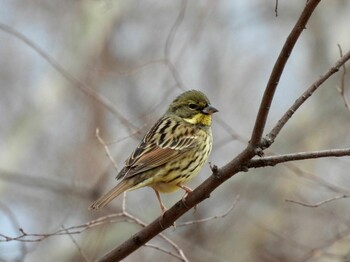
[(43, 183), (137, 132), (73, 230), (15, 224), (28, 237), (80, 250), (280, 124), (318, 203), (108, 153), (124, 202), (173, 30), (341, 89), (166, 252), (174, 245), (74, 81), (168, 44), (233, 134), (316, 179), (212, 217), (276, 8), (135, 69), (316, 251)]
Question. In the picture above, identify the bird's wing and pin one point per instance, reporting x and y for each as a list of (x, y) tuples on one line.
[(160, 145)]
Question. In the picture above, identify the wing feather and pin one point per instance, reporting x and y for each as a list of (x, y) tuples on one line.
[(164, 142)]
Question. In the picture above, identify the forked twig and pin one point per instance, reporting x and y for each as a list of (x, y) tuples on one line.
[(184, 259), (80, 250), (108, 153), (212, 217)]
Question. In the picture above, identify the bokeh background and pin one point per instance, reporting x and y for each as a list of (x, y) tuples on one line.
[(139, 55)]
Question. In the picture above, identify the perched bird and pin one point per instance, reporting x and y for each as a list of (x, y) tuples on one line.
[(171, 153)]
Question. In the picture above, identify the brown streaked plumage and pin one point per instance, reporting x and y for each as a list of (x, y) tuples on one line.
[(172, 152)]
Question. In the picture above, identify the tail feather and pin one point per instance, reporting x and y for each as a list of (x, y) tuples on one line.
[(113, 193)]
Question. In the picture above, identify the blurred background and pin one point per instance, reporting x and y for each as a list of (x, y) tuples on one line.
[(139, 55)]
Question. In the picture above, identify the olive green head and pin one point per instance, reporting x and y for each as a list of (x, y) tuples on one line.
[(193, 107)]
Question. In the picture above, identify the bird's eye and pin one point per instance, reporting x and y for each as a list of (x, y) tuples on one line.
[(192, 106)]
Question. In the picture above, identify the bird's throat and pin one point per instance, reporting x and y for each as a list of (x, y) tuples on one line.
[(199, 119)]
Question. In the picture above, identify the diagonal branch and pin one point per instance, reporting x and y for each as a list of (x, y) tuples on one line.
[(74, 81), (277, 72), (280, 124)]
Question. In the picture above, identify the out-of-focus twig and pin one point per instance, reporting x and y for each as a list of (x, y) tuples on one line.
[(123, 216), (270, 137), (43, 183), (15, 224), (318, 203), (76, 82), (316, 179), (108, 153), (341, 88), (213, 217), (184, 259), (317, 251), (80, 250)]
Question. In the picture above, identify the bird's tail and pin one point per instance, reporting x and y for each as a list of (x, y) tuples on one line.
[(113, 193)]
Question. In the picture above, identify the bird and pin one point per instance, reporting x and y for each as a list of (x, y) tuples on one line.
[(171, 153)]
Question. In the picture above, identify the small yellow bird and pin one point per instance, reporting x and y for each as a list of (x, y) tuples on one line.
[(172, 152)]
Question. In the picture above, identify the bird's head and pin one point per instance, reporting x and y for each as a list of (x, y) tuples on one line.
[(193, 107)]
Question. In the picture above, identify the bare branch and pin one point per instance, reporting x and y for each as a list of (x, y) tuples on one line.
[(43, 183), (15, 224), (277, 72), (280, 124), (213, 217), (341, 89), (108, 153), (274, 160), (318, 203), (316, 179), (276, 8), (73, 230), (74, 81), (166, 252), (314, 252), (174, 245), (168, 43), (172, 32), (28, 237), (81, 252)]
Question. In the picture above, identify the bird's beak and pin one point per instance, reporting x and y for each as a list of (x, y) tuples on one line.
[(209, 110)]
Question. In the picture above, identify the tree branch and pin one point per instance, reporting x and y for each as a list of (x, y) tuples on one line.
[(274, 160), (341, 88), (280, 124), (277, 72), (74, 81)]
